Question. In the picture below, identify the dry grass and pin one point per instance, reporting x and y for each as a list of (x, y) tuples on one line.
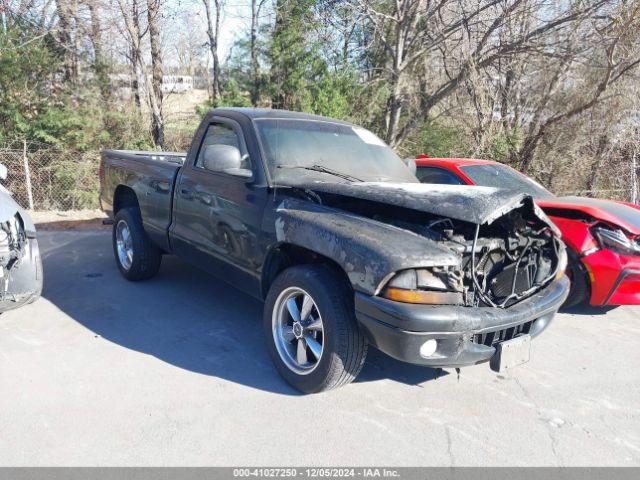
[(69, 220)]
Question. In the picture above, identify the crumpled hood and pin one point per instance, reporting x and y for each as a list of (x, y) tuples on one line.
[(624, 215), (473, 204)]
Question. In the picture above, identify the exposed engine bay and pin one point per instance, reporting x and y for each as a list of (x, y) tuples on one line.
[(502, 261)]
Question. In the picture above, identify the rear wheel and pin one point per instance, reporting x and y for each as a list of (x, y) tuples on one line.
[(313, 337), (580, 289), (136, 256)]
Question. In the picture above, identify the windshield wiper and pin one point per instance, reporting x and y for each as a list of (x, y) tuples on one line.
[(320, 168)]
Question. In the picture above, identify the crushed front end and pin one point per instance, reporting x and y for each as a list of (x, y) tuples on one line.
[(20, 263), (506, 289)]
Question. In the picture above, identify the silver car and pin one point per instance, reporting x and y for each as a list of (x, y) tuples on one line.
[(20, 262)]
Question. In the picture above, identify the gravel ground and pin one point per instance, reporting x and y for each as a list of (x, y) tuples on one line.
[(174, 371)]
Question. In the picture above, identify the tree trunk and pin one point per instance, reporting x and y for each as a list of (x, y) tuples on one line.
[(155, 92), (596, 166), (278, 99), (65, 36), (528, 150), (131, 17), (136, 56), (100, 67), (213, 32), (137, 80), (255, 73), (505, 92), (395, 101)]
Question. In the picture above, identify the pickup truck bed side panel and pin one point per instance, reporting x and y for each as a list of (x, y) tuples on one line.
[(151, 180), (367, 250)]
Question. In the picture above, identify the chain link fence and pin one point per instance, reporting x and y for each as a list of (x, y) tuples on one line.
[(42, 177)]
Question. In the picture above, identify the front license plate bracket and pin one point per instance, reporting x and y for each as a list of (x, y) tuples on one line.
[(511, 353)]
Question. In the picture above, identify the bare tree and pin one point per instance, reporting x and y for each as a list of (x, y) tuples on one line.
[(456, 38), (155, 92), (65, 10), (414, 29), (99, 62), (136, 31), (131, 16), (256, 6), (187, 47), (213, 32), (615, 60)]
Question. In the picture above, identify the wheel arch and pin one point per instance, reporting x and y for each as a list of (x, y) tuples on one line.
[(124, 197), (581, 289), (285, 255)]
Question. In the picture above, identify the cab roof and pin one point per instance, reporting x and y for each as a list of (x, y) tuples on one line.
[(258, 113)]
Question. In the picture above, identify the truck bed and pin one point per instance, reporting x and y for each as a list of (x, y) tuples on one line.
[(151, 176), (143, 156)]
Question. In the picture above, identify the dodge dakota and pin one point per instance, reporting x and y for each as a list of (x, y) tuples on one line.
[(322, 221)]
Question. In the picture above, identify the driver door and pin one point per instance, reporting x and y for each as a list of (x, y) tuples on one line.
[(218, 215)]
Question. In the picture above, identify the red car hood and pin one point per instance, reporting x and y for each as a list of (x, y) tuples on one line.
[(624, 215)]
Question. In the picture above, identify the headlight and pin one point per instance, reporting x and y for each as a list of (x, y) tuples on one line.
[(436, 286), (562, 262), (616, 240)]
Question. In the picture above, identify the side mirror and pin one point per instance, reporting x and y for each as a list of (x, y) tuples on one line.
[(411, 163), (226, 159), (3, 171)]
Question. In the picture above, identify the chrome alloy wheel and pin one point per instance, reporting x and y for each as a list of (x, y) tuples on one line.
[(298, 330), (124, 245)]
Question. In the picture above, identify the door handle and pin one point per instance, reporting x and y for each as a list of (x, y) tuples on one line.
[(186, 193)]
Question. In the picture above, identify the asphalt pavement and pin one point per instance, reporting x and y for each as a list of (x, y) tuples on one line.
[(174, 371)]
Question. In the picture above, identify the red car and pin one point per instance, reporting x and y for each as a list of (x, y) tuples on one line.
[(602, 236)]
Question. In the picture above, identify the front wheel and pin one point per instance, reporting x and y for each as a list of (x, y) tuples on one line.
[(312, 335), (136, 256), (580, 289)]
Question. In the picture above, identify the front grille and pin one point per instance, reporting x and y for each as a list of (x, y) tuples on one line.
[(493, 338)]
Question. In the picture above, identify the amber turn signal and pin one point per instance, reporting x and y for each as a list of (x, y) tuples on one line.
[(426, 297)]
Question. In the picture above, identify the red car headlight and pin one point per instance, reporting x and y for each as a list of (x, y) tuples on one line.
[(616, 240)]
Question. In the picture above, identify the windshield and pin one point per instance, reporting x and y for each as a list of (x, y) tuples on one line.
[(326, 151), (501, 176)]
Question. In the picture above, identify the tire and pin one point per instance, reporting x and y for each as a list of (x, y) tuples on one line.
[(144, 261), (580, 289), (343, 346)]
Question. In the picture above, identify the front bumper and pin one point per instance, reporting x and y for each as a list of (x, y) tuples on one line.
[(614, 278), (465, 335), (25, 280)]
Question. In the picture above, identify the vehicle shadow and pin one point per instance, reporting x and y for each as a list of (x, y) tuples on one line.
[(183, 316), (589, 310)]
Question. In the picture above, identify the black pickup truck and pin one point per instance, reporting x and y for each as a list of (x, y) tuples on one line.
[(324, 223)]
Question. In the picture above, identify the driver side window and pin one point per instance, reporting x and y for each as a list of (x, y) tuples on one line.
[(220, 134)]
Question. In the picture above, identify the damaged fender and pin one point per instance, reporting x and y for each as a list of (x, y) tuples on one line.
[(20, 262), (366, 249)]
